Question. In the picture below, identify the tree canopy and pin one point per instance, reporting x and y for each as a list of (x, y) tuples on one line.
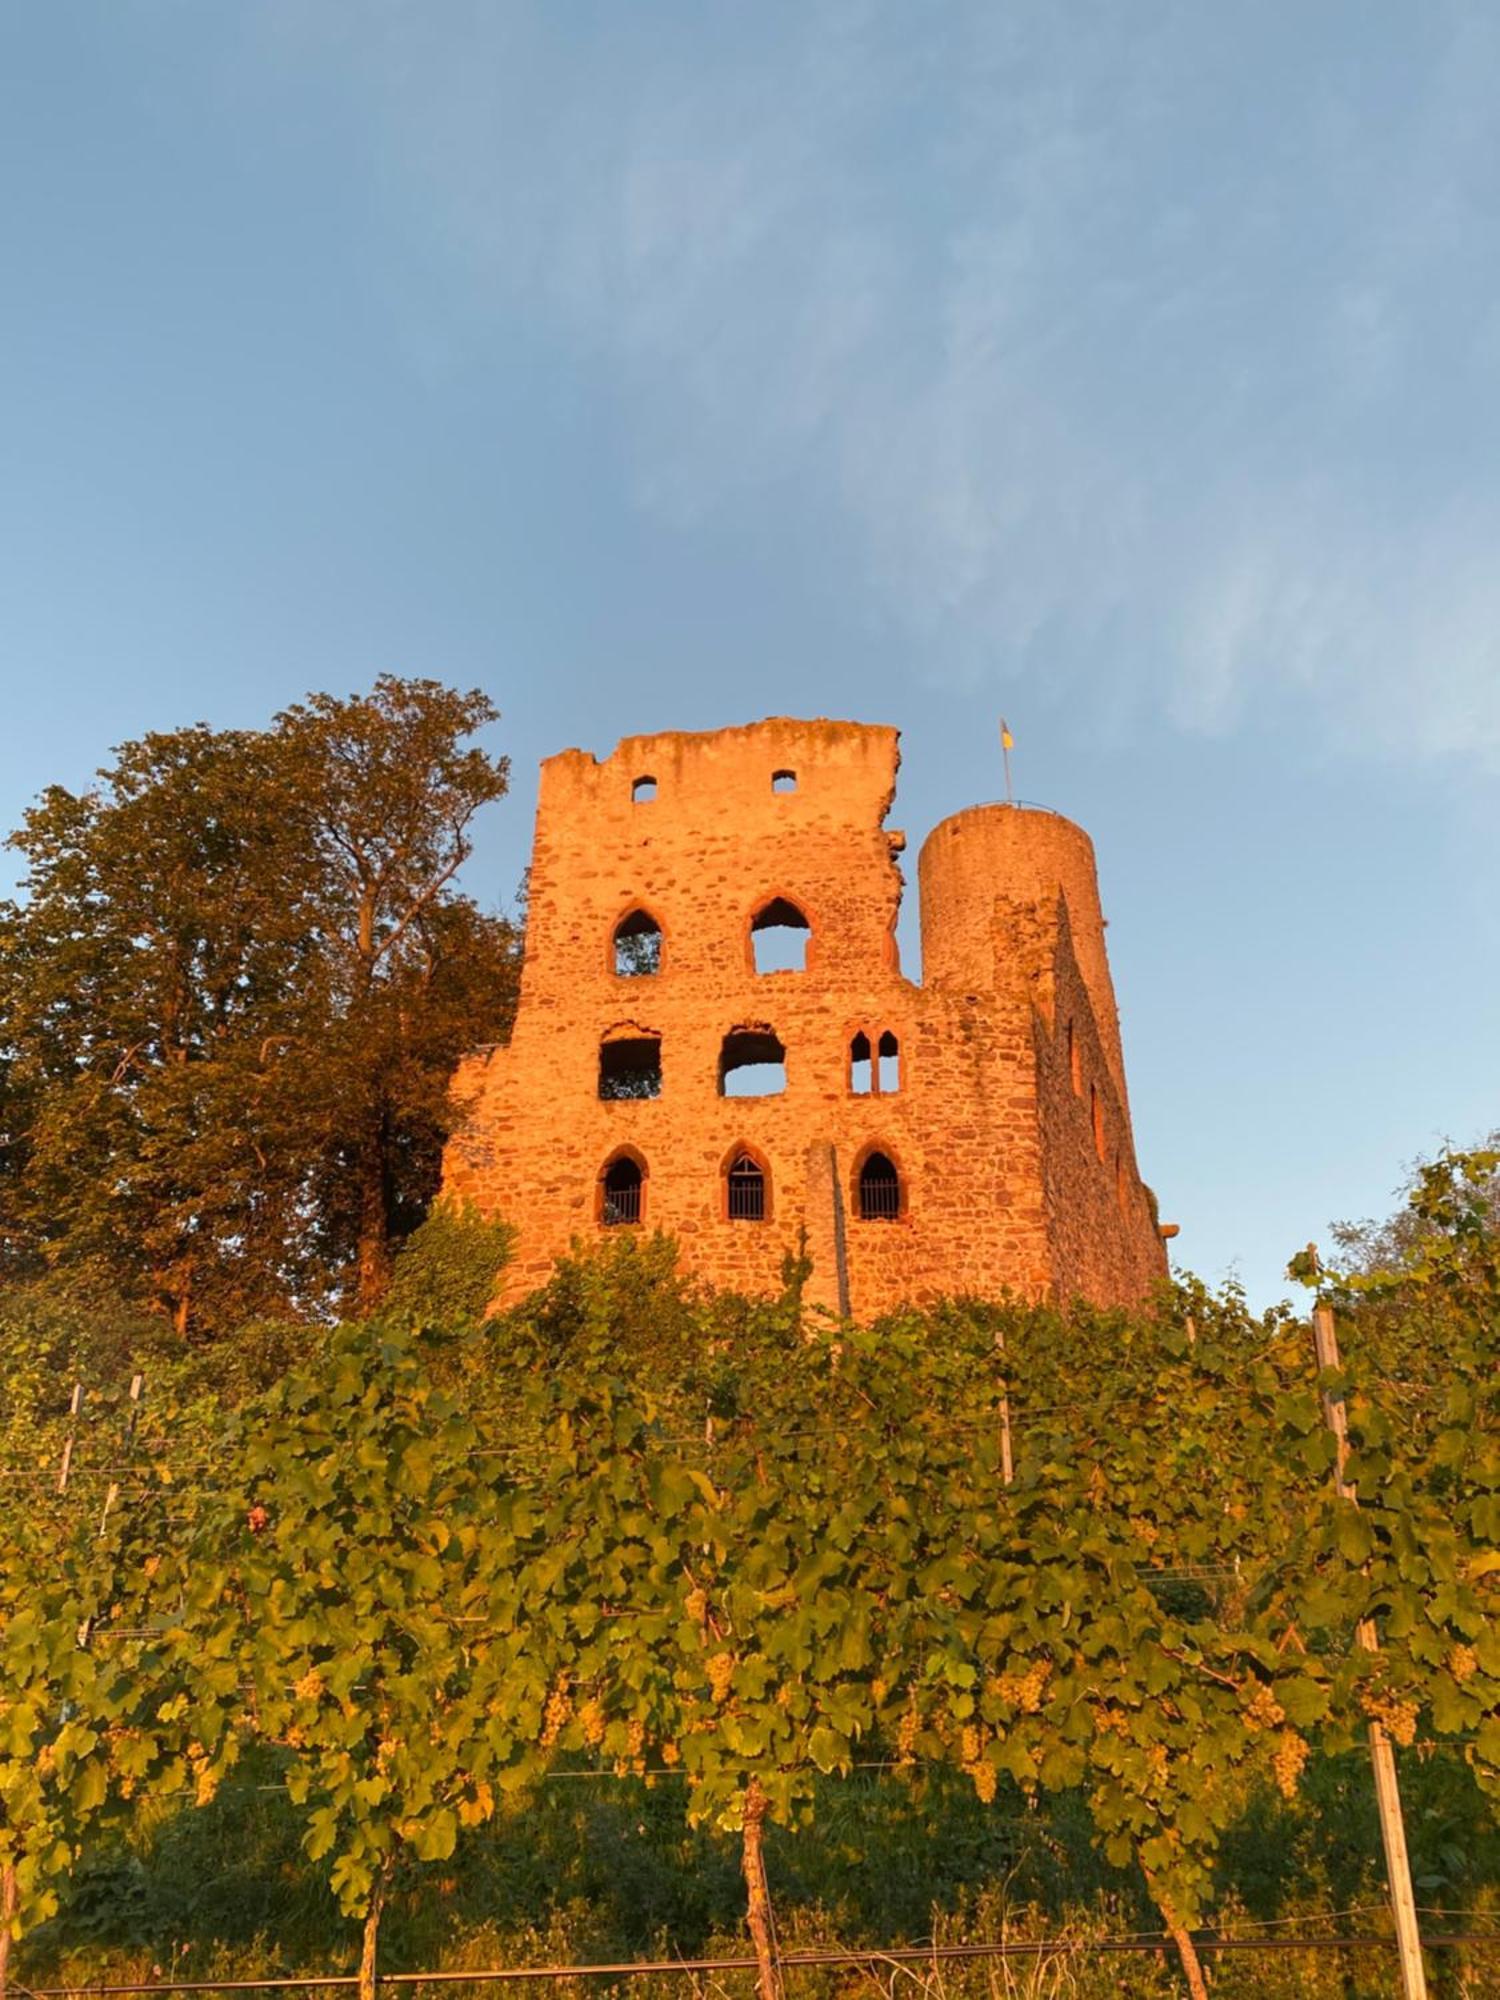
[(233, 989)]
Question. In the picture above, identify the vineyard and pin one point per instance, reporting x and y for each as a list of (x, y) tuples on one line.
[(986, 1577)]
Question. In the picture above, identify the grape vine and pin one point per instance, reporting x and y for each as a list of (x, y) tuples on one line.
[(423, 1572)]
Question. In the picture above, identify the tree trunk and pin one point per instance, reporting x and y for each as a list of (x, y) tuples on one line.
[(9, 1894), (1182, 1937), (758, 1896), (373, 1256), (367, 1972)]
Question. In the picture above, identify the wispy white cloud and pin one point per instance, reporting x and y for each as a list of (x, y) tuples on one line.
[(1151, 348)]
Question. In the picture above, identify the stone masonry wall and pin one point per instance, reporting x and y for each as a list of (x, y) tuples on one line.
[(1000, 1188), (1101, 1220)]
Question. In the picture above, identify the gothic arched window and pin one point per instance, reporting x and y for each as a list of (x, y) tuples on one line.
[(861, 1068), (622, 1190), (874, 1064), (746, 1188), (637, 943), (888, 1064), (879, 1189)]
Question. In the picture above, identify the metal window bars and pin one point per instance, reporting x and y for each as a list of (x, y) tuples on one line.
[(879, 1190), (746, 1191), (622, 1194)]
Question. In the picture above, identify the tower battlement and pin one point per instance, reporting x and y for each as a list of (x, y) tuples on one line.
[(715, 1038)]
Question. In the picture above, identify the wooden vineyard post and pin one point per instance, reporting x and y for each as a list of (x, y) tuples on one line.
[(9, 1896), (1382, 1756), (137, 1383), (1007, 1456), (67, 1455)]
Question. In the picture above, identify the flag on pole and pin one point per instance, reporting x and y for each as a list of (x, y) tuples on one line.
[(1007, 741)]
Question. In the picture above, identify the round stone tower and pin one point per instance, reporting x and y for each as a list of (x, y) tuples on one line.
[(1024, 855)]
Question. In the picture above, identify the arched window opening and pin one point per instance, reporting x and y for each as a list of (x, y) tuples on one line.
[(889, 1071), (783, 781), (637, 945), (752, 1063), (621, 1187), (643, 790), (630, 1067), (861, 1069), (745, 1189), (874, 1064), (1075, 1067), (778, 936), (1096, 1118), (879, 1189)]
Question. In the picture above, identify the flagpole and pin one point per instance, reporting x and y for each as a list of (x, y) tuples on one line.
[(1005, 743)]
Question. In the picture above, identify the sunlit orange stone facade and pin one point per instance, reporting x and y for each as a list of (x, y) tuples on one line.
[(1003, 1112)]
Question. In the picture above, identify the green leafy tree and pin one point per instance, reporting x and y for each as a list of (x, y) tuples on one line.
[(408, 973), (157, 933), (233, 994), (1447, 1199), (445, 1271)]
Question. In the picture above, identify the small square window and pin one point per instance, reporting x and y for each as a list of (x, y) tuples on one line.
[(783, 781)]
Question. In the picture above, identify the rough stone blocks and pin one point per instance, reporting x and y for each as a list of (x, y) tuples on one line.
[(710, 914)]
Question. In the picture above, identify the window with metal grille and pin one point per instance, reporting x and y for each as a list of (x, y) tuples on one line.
[(746, 1182), (620, 1192), (637, 945), (879, 1190)]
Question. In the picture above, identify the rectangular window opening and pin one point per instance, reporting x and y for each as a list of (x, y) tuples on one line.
[(630, 1068)]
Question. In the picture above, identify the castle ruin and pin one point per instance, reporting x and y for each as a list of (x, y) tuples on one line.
[(715, 1038)]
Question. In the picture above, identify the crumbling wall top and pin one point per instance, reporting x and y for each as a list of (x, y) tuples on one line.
[(694, 768)]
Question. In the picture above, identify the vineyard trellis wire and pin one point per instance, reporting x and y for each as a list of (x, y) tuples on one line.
[(1060, 1947)]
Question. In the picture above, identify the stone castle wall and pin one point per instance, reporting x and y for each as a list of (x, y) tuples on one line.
[(1004, 1180)]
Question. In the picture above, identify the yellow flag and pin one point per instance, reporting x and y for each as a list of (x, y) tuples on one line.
[(1007, 741)]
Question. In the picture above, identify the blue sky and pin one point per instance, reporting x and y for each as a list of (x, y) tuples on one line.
[(1131, 371)]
